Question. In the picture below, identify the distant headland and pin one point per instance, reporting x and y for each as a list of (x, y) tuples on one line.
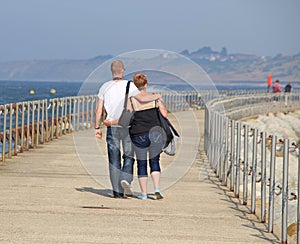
[(221, 66)]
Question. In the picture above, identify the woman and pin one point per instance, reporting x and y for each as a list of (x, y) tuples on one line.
[(146, 135)]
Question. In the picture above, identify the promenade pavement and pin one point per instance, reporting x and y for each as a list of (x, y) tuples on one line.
[(47, 196)]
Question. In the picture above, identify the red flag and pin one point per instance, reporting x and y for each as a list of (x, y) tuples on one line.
[(269, 80)]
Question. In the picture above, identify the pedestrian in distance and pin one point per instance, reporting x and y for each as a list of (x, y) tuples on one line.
[(288, 87), (287, 91), (277, 88)]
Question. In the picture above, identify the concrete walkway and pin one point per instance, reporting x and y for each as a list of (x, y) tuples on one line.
[(47, 196)]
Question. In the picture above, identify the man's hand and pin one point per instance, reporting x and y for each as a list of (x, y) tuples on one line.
[(107, 122), (110, 122), (98, 133)]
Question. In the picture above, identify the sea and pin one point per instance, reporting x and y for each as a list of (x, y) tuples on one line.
[(19, 91)]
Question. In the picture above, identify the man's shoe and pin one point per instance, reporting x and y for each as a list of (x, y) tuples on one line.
[(127, 188), (119, 195), (159, 195)]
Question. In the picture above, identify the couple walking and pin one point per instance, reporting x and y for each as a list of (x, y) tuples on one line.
[(140, 139)]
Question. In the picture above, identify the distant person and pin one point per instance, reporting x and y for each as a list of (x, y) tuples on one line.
[(277, 88), (287, 90), (288, 87)]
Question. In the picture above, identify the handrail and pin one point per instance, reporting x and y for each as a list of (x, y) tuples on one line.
[(236, 151), (25, 125)]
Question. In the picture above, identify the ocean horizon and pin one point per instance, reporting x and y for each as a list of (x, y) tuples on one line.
[(20, 91)]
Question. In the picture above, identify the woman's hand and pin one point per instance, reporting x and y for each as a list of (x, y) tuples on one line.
[(147, 97)]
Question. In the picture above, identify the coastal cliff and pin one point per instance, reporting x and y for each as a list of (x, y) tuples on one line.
[(220, 66)]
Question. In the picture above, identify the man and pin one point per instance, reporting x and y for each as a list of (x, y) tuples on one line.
[(287, 90), (288, 87), (111, 97)]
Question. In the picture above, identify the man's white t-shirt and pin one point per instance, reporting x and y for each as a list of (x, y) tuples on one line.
[(113, 94)]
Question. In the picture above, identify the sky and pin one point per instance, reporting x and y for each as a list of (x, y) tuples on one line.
[(83, 29)]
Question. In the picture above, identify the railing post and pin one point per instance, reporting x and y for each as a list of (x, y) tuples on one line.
[(217, 145), (74, 117), (298, 200), (78, 113), (71, 115), (87, 113), (52, 119), (254, 171), (245, 175), (28, 135), (47, 121), (272, 184), (213, 142), (16, 129), (22, 126), (57, 118), (263, 177), (238, 161), (221, 146), (285, 191), (206, 130), (11, 111), (38, 123), (232, 156), (4, 133), (225, 158), (42, 122), (32, 124), (61, 115), (65, 115)]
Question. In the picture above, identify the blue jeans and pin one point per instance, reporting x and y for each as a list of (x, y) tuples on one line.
[(118, 172), (147, 145)]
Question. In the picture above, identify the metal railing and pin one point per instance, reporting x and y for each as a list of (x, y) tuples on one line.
[(255, 164), (25, 125), (237, 152)]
